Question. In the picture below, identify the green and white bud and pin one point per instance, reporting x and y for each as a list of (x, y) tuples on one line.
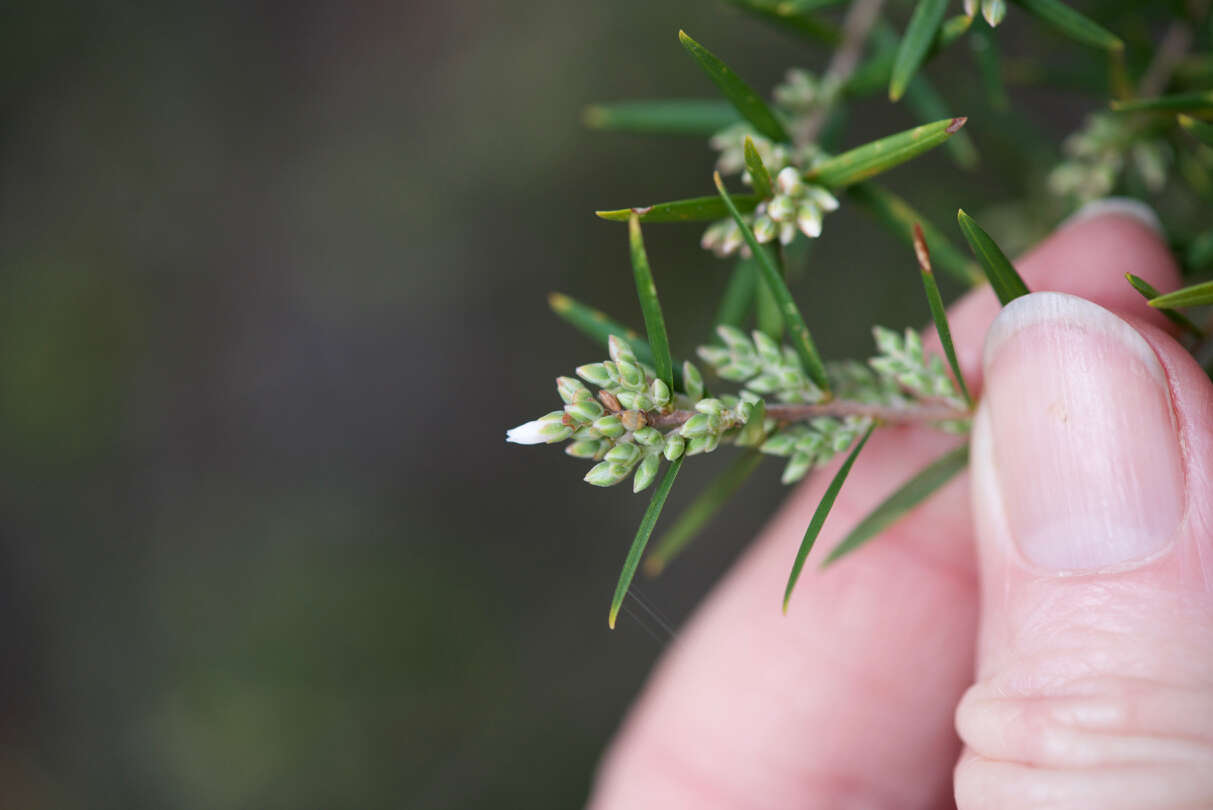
[(660, 393), (586, 449), (697, 445), (620, 351), (781, 444), (612, 371), (571, 389), (692, 381), (970, 8), (788, 181), (606, 474), (735, 339), (626, 454), (797, 468), (782, 209), (994, 11), (595, 374), (630, 375), (822, 197), (765, 228), (697, 425), (544, 430), (709, 406), (583, 411), (674, 447), (610, 426), (714, 356), (764, 384), (634, 401), (648, 436), (768, 349), (808, 219), (646, 473)]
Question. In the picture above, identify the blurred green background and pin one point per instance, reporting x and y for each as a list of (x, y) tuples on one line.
[(273, 287)]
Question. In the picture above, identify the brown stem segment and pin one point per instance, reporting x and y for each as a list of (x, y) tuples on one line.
[(838, 407)]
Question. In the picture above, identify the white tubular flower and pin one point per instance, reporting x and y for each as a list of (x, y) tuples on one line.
[(809, 220), (544, 430), (788, 181)]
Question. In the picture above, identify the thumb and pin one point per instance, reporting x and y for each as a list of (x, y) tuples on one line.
[(1092, 470)]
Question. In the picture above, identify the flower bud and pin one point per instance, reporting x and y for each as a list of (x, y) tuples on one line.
[(610, 426), (646, 473), (697, 425), (648, 436), (660, 393), (709, 406), (674, 446), (583, 411), (808, 219), (823, 198), (632, 420), (630, 375), (620, 351), (626, 454), (788, 181), (588, 448), (605, 474), (595, 374), (692, 381), (796, 469)]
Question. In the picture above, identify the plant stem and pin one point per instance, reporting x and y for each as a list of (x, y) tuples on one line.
[(838, 407), (858, 23)]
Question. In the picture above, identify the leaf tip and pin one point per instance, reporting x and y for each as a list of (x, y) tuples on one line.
[(559, 302), (653, 566), (593, 116), (920, 249), (956, 124), (611, 618)]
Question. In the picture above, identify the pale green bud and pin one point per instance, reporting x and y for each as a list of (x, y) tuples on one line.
[(735, 339), (571, 389), (612, 371), (586, 410), (808, 219), (630, 375), (788, 181), (648, 436), (609, 426), (764, 384), (697, 445), (620, 351), (796, 469), (913, 345), (970, 8), (780, 444), (767, 348), (782, 209), (823, 198), (765, 228), (692, 381), (697, 425), (739, 370), (674, 446), (584, 449), (994, 11), (634, 401), (626, 454), (660, 393), (709, 406), (646, 473), (595, 374), (713, 355), (887, 341), (606, 474)]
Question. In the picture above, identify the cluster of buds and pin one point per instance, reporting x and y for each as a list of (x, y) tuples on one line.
[(796, 207), (993, 10), (800, 93), (1095, 157), (761, 365), (903, 360), (814, 444)]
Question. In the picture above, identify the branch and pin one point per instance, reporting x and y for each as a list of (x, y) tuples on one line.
[(838, 407)]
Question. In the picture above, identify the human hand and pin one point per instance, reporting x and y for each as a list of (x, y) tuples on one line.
[(1079, 579)]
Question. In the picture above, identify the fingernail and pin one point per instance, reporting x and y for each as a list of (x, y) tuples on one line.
[(1084, 442), (1122, 206)]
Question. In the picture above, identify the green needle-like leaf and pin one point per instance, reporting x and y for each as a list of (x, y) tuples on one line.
[(695, 209), (642, 537), (998, 268), (899, 217), (760, 178), (988, 58), (920, 33), (701, 511), (1180, 102), (1200, 130), (793, 17), (747, 102), (793, 320), (646, 290), (927, 105), (1148, 292), (767, 316), (879, 156), (874, 74), (1069, 22), (1195, 296), (675, 116), (938, 313), (738, 298), (909, 495), (819, 515)]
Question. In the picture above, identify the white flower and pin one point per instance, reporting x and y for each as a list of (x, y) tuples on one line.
[(544, 430)]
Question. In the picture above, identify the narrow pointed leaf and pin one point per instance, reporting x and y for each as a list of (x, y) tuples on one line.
[(920, 33), (1148, 292), (879, 156), (738, 298), (909, 495), (924, 101), (767, 316), (701, 511), (747, 102), (874, 75), (899, 217), (821, 513), (695, 209), (642, 537), (675, 116), (1200, 130), (793, 17), (1180, 102), (599, 327), (760, 178), (650, 306), (998, 268), (1066, 20), (986, 54), (1195, 296), (938, 312), (802, 340)]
